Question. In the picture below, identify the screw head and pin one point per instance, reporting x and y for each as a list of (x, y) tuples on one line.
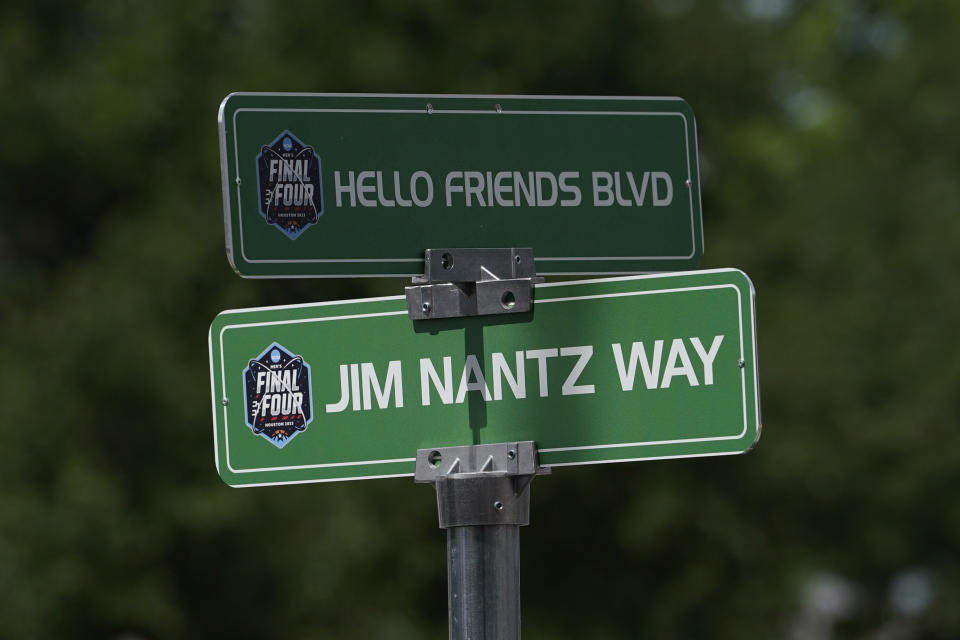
[(498, 505), (741, 364), (429, 108), (426, 307), (511, 454), (225, 402), (237, 181), (689, 182)]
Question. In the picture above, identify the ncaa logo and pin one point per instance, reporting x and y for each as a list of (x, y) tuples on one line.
[(288, 180), (278, 399)]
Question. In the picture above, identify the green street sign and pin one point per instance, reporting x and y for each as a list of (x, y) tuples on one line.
[(333, 185), (618, 369)]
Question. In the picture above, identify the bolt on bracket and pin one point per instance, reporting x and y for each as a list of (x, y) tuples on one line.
[(472, 282), (485, 484)]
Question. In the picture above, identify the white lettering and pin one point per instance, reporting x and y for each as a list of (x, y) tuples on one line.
[(541, 355), (421, 175), (707, 357), (667, 198), (623, 202), (372, 383), (501, 370), (606, 189), (396, 190), (651, 373), (355, 386), (429, 373), (349, 188), (638, 197), (344, 392), (526, 188), (571, 189), (499, 189), (261, 375), (542, 200), (472, 367), (570, 386), (473, 185), (363, 189), (449, 187), (678, 352), (380, 197)]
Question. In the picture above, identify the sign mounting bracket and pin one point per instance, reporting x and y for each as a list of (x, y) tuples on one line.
[(483, 498), (458, 283)]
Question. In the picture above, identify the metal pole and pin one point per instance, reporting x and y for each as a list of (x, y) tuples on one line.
[(483, 498), (483, 490), (483, 575)]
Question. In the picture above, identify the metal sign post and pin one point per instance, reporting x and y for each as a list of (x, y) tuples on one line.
[(483, 490), (483, 498)]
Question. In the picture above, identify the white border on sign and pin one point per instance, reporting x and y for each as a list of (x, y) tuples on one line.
[(541, 301), (225, 177)]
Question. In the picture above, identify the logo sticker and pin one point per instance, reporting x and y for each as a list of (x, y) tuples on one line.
[(279, 404), (288, 177)]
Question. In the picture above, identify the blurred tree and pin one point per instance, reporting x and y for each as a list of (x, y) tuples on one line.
[(828, 133)]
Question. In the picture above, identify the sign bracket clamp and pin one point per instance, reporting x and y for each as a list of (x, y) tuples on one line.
[(499, 477), (459, 283), (483, 490), (483, 498)]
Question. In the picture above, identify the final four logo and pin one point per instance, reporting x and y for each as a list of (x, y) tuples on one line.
[(279, 404), (288, 176)]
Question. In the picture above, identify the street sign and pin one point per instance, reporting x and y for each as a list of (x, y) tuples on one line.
[(609, 370), (333, 185)]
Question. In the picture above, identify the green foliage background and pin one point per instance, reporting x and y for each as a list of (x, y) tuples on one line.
[(831, 174)]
